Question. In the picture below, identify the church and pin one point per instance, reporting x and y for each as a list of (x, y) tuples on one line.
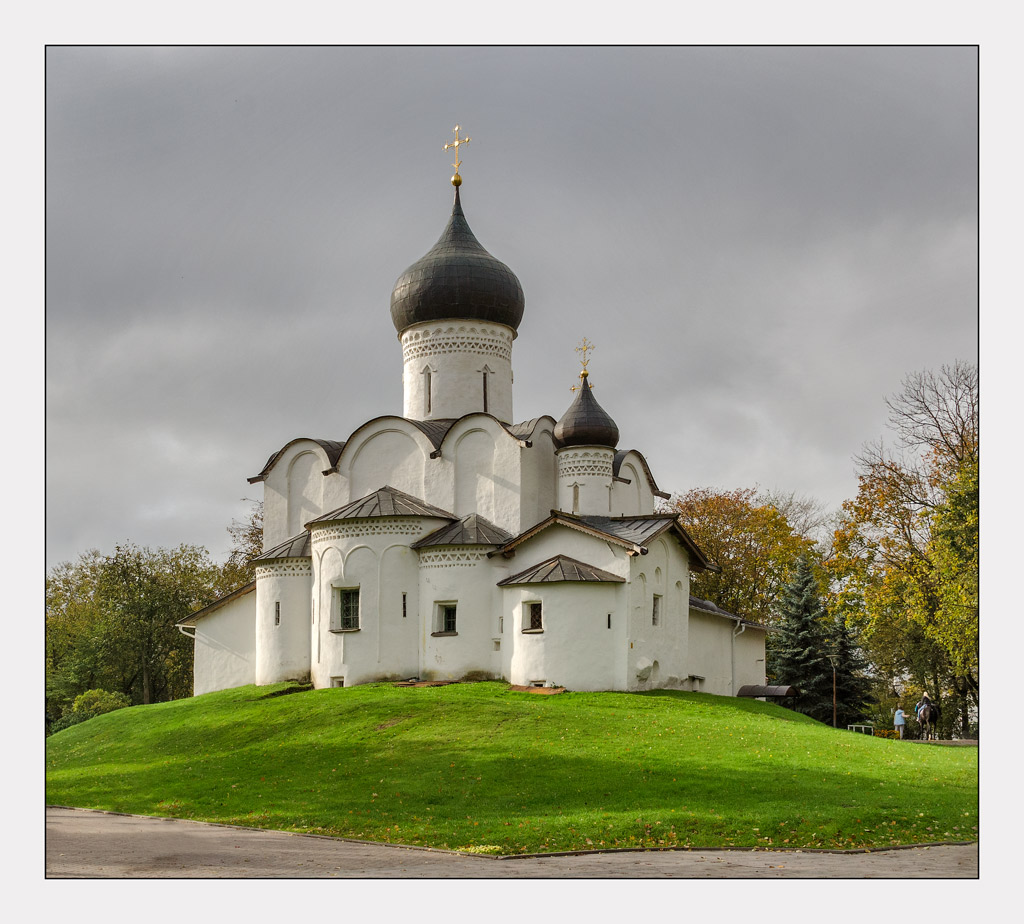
[(451, 542)]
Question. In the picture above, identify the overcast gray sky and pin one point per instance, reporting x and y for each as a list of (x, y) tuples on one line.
[(761, 242)]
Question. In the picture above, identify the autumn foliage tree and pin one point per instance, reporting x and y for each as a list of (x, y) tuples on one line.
[(753, 542), (906, 562)]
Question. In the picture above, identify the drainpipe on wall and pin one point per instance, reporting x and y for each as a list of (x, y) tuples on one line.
[(191, 634), (738, 630)]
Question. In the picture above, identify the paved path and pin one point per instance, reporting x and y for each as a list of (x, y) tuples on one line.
[(99, 845)]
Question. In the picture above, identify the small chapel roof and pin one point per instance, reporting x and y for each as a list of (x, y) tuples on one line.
[(562, 568), (296, 547), (708, 607), (385, 502), (470, 530)]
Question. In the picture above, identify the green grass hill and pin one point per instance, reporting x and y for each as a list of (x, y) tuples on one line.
[(485, 768)]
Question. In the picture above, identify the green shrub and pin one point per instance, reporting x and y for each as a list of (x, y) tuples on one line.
[(98, 702)]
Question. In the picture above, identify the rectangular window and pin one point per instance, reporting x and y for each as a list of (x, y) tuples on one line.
[(656, 610), (345, 609), (609, 620), (337, 681), (536, 616), (404, 604), (277, 613), (444, 619)]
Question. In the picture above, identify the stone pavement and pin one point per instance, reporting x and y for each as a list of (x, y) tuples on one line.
[(82, 844)]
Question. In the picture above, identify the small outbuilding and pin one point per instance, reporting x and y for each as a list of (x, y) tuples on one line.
[(759, 691)]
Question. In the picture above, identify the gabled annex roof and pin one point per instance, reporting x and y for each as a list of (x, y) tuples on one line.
[(384, 502), (333, 449), (296, 547), (190, 620), (470, 530), (708, 607), (634, 533), (561, 568)]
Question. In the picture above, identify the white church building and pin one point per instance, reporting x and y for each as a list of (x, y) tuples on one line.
[(451, 542)]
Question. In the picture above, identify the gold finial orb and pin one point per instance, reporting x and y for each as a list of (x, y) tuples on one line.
[(456, 180)]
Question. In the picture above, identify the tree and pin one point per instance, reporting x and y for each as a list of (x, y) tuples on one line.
[(753, 542), (246, 544), (144, 593), (800, 651), (906, 562), (852, 683), (110, 624)]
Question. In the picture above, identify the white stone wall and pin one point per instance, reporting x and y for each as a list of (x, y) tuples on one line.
[(710, 654), (374, 556), (576, 649), (465, 577), (293, 491), (539, 494), (634, 498), (454, 357), (225, 646), (585, 480), (282, 648), (658, 653)]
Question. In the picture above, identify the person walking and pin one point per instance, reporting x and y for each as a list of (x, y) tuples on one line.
[(899, 721)]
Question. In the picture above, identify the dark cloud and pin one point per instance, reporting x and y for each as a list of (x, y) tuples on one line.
[(761, 241)]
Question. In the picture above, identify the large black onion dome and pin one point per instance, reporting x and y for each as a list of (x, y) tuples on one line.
[(457, 278), (586, 423)]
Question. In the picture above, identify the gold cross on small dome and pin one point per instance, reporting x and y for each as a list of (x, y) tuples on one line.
[(585, 347), (456, 179)]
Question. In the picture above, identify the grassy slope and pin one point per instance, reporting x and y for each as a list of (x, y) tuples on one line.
[(478, 766)]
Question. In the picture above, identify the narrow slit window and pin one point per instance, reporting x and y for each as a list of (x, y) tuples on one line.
[(404, 606), (656, 610), (277, 613), (427, 386), (575, 498)]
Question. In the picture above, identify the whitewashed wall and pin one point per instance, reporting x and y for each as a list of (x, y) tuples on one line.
[(225, 646), (462, 575), (576, 648), (456, 353), (282, 650), (372, 555), (658, 653), (293, 491)]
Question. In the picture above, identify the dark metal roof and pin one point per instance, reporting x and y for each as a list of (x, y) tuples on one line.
[(217, 604), (333, 449), (296, 547), (457, 278), (708, 607), (617, 464), (755, 690), (384, 502), (635, 533), (562, 568), (586, 423), (470, 530)]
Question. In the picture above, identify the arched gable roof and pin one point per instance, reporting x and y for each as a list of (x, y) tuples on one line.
[(620, 457), (332, 448)]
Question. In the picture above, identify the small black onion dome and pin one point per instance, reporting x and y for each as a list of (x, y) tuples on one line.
[(457, 278), (586, 423)]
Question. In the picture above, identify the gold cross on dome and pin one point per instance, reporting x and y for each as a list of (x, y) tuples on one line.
[(455, 144), (585, 347)]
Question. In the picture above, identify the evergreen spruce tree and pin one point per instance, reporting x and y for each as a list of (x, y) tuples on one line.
[(801, 649), (853, 687)]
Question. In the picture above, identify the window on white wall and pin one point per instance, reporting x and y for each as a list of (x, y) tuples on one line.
[(656, 610), (445, 621), (345, 609), (533, 616), (277, 613)]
